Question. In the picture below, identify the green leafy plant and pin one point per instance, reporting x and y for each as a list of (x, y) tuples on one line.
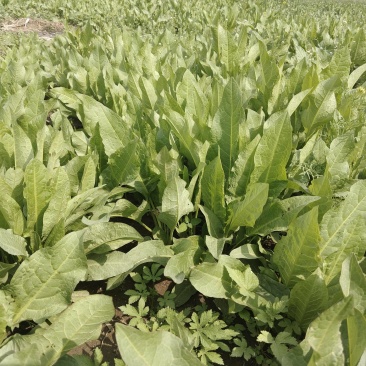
[(219, 148)]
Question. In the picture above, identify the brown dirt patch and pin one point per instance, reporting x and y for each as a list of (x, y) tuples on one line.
[(44, 28)]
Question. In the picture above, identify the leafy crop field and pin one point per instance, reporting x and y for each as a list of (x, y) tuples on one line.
[(185, 176)]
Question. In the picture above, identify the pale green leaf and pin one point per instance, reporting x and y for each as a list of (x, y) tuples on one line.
[(269, 72), (158, 348), (246, 251), (215, 226), (225, 126), (242, 275), (340, 64), (247, 211), (37, 194), (322, 104), (23, 151), (182, 127), (324, 334), (353, 282), (78, 324), (12, 244), (297, 254), (12, 213), (243, 167), (42, 285), (342, 230), (103, 266), (296, 101), (58, 202), (107, 236), (279, 214), (179, 266), (308, 298), (212, 183), (189, 91), (273, 150), (225, 47), (355, 76), (356, 325), (337, 164), (209, 279), (215, 245), (175, 203), (123, 166), (114, 130), (89, 175)]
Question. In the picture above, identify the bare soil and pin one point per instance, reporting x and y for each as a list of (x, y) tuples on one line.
[(44, 28)]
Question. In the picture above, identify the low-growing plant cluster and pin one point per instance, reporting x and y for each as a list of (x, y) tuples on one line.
[(220, 149)]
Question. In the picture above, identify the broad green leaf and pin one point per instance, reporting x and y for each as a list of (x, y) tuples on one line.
[(212, 183), (107, 236), (12, 213), (322, 104), (123, 166), (273, 150), (175, 203), (180, 264), (82, 203), (114, 130), (308, 298), (75, 170), (209, 279), (278, 214), (56, 234), (148, 92), (324, 334), (23, 151), (358, 48), (12, 244), (342, 230), (215, 226), (159, 348), (242, 169), (340, 64), (79, 323), (242, 275), (269, 73), (42, 285), (103, 266), (297, 254), (355, 76), (6, 315), (182, 128), (225, 126), (356, 325), (226, 47), (215, 245), (167, 163), (37, 194), (353, 282), (190, 91), (89, 175), (246, 251), (58, 202), (337, 164), (247, 211), (321, 187), (296, 101)]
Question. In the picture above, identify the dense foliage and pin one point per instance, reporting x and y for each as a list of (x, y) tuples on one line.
[(222, 147)]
